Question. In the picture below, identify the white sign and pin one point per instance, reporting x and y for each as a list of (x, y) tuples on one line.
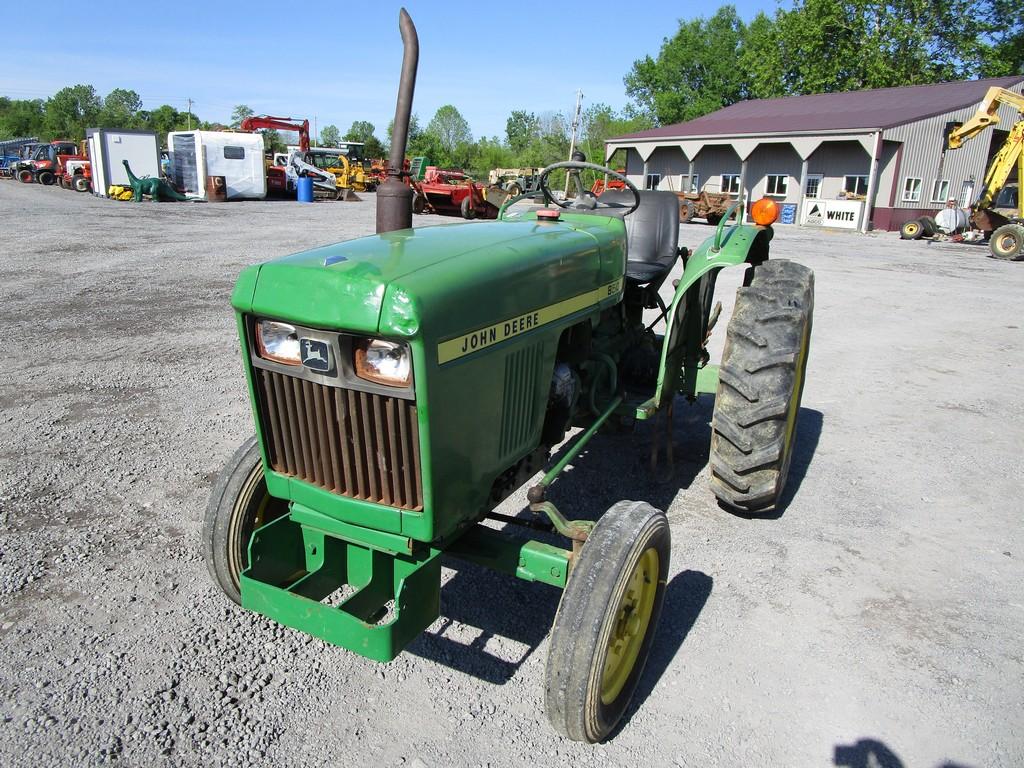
[(842, 214)]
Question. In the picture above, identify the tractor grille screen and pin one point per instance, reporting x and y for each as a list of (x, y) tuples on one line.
[(353, 443)]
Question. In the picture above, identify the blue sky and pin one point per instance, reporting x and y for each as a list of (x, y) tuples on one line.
[(339, 62)]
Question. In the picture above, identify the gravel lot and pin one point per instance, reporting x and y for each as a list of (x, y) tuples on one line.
[(875, 622)]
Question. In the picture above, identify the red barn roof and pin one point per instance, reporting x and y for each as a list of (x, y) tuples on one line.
[(852, 111)]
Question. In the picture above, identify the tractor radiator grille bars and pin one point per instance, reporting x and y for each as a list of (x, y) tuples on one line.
[(353, 443)]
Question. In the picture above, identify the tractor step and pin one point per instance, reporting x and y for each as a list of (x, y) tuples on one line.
[(364, 599)]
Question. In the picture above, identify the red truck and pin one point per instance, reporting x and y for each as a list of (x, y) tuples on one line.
[(42, 166)]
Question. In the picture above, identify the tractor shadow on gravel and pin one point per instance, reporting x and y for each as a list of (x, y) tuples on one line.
[(871, 753), (618, 466), (491, 623)]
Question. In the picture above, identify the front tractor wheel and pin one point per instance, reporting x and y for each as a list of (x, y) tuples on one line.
[(760, 383), (239, 504), (606, 621), (1007, 242)]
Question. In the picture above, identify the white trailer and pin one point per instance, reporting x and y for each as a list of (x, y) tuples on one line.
[(108, 149), (238, 157)]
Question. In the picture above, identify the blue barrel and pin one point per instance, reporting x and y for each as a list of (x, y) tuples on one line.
[(304, 189)]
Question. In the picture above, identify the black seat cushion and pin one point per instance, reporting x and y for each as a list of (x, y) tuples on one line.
[(652, 233)]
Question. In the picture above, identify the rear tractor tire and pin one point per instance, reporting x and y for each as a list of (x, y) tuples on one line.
[(514, 190), (606, 621), (760, 383), (1007, 242), (46, 178), (239, 504), (912, 230)]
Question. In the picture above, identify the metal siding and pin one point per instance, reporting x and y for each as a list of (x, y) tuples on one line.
[(635, 168), (774, 159), (711, 162), (923, 153), (886, 169), (671, 163), (834, 160)]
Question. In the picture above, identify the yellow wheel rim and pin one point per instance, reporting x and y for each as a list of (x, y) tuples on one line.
[(631, 621), (798, 385)]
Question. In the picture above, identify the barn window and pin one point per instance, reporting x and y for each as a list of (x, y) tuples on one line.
[(855, 185), (911, 190), (653, 180), (777, 184), (940, 191), (813, 188), (731, 183)]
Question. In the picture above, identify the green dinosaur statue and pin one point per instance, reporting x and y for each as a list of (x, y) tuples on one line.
[(156, 188)]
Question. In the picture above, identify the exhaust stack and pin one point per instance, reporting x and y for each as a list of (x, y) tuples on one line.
[(394, 198)]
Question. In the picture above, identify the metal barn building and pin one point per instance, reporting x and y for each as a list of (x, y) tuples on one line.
[(858, 160)]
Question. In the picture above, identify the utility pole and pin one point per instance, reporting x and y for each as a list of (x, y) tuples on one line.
[(190, 114), (572, 141), (315, 134)]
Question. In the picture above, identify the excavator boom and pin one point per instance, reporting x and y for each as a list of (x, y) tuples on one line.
[(260, 122), (1010, 154)]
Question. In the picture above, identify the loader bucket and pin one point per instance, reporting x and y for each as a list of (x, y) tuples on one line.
[(347, 195)]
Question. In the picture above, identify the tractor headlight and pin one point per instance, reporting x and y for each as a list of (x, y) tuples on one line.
[(278, 342), (383, 362)]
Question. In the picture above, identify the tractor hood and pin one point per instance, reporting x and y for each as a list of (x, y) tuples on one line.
[(449, 276)]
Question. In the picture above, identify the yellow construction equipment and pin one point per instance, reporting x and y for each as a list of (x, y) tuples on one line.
[(1007, 234)]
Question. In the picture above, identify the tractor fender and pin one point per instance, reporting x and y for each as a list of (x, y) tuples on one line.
[(686, 324)]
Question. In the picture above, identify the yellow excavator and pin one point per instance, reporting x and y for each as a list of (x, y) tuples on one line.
[(1006, 240)]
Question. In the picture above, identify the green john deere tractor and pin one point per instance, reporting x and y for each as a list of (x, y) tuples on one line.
[(403, 384)]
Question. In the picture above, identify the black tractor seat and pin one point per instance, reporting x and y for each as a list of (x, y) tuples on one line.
[(652, 234)]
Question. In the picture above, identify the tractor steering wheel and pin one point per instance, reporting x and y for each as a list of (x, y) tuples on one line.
[(585, 200)]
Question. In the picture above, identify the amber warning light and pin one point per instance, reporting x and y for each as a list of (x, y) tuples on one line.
[(764, 212)]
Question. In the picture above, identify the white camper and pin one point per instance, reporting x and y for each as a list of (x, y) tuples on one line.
[(238, 157), (108, 149)]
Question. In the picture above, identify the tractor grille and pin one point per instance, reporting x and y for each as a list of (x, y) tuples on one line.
[(353, 443)]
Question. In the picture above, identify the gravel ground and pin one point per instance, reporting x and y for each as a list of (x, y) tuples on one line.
[(876, 621)]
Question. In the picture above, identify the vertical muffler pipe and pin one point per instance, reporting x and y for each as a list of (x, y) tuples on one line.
[(394, 198)]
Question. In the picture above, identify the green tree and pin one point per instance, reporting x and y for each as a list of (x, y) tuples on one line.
[(71, 110), (330, 136), (165, 119), (521, 128), (272, 141), (488, 154), (363, 130), (829, 46), (452, 133), (695, 72), (600, 122), (21, 118), (1001, 44), (239, 113), (120, 109), (761, 60)]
